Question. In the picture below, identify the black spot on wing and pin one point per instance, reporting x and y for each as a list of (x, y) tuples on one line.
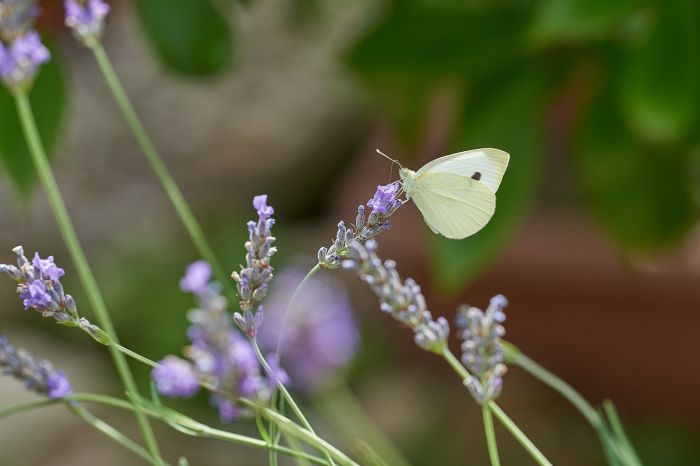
[(476, 176)]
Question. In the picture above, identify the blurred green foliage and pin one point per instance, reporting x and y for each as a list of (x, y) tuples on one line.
[(190, 37), (49, 100), (630, 67)]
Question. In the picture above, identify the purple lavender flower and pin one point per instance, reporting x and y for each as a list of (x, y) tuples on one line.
[(39, 287), (86, 18), (176, 378), (16, 18), (383, 204), (252, 281), (221, 358), (320, 335), (264, 211), (196, 278), (47, 268), (36, 374), (482, 353), (402, 300), (58, 386), (20, 60), (383, 198)]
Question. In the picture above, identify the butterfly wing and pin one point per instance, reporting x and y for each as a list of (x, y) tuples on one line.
[(490, 164), (452, 205)]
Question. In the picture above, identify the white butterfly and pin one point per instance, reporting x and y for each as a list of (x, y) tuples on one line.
[(457, 193)]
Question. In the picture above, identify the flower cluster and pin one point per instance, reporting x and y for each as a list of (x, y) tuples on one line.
[(403, 300), (252, 281), (482, 352), (220, 358), (319, 336), (36, 374), (39, 287), (16, 18), (383, 204), (86, 18), (21, 58)]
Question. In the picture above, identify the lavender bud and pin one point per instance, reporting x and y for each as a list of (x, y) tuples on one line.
[(86, 18), (95, 332)]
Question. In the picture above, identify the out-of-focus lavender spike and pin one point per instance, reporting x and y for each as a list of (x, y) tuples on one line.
[(86, 19), (16, 18), (20, 60), (36, 374)]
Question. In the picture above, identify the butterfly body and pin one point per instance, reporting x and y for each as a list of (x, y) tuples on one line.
[(457, 193)]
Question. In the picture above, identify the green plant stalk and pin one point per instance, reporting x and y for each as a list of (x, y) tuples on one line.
[(285, 393), (290, 428), (84, 414), (70, 237), (500, 415), (490, 436), (171, 189), (176, 420), (111, 432), (614, 450)]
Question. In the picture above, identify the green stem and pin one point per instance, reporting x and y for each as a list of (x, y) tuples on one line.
[(490, 436), (519, 435), (36, 149), (292, 300), (285, 393), (290, 428), (171, 189), (515, 356), (111, 432), (134, 355), (176, 420), (502, 417)]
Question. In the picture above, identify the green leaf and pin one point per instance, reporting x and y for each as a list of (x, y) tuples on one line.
[(660, 82), (48, 99), (431, 39), (190, 37), (641, 195), (575, 21), (504, 114)]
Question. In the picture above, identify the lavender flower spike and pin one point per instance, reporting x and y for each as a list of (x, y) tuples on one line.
[(20, 60), (402, 300), (36, 374), (220, 359), (482, 353), (383, 205), (39, 287), (252, 281), (86, 18)]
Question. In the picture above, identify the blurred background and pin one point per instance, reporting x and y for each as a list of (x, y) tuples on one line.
[(594, 242)]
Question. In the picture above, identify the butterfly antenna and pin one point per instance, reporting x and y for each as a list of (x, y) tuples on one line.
[(387, 157)]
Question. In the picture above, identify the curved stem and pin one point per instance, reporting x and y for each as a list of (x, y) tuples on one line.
[(171, 189), (490, 435), (134, 355), (70, 237), (519, 435), (111, 432), (191, 427), (514, 355), (285, 393), (291, 302)]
